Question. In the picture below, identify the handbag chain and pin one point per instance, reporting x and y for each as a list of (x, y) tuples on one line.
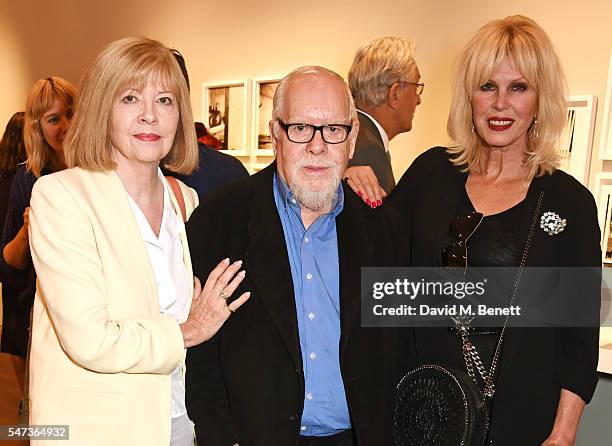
[(470, 355)]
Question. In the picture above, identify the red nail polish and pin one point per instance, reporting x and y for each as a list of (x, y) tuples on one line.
[(379, 202), (360, 194), (368, 202)]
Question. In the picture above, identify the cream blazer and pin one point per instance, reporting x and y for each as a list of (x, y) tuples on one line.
[(101, 354)]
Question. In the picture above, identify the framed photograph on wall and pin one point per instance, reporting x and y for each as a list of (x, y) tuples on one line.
[(605, 141), (577, 138), (603, 198), (261, 103), (224, 109)]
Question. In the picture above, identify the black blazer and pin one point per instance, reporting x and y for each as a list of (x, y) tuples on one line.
[(370, 151), (535, 362), (215, 170), (246, 384)]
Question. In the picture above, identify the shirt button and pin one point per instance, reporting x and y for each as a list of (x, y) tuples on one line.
[(308, 276), (313, 356), (293, 200), (306, 239), (303, 428), (309, 396), (311, 316)]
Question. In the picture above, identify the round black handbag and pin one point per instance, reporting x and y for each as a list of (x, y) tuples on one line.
[(443, 406), (438, 406)]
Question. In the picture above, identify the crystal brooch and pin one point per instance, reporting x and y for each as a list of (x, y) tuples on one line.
[(552, 223)]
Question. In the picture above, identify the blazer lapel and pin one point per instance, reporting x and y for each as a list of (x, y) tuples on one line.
[(354, 251), (267, 262), (120, 222)]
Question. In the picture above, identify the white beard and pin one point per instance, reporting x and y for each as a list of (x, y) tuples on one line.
[(316, 200)]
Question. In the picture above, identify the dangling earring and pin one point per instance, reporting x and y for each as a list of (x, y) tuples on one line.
[(533, 131), (473, 128)]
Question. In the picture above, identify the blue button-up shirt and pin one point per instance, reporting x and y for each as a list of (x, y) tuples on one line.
[(313, 256)]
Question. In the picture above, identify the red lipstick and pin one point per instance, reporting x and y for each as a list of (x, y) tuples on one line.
[(499, 124)]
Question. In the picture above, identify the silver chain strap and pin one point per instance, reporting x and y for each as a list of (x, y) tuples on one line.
[(470, 355)]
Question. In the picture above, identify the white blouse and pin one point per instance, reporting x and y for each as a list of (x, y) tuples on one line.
[(166, 256)]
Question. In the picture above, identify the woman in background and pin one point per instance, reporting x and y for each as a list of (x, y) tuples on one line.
[(12, 154), (482, 202), (14, 317), (47, 119)]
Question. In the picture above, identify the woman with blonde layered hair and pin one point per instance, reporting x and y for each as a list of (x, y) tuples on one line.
[(497, 199), (117, 303), (521, 40)]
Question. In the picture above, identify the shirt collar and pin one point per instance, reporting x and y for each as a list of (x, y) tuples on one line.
[(171, 225), (290, 202), (383, 134)]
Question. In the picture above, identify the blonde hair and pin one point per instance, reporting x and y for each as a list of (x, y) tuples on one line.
[(523, 42), (278, 103), (377, 65), (125, 63), (43, 94)]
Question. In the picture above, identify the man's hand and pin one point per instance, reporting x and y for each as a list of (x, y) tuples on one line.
[(365, 184)]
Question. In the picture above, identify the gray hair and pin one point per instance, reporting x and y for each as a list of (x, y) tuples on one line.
[(279, 95), (377, 65)]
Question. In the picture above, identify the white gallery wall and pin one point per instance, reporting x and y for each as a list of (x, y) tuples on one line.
[(234, 39)]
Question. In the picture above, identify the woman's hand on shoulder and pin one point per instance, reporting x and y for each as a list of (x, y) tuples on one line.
[(209, 308), (364, 182)]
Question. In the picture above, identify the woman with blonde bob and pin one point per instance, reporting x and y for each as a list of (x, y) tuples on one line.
[(117, 304), (497, 198)]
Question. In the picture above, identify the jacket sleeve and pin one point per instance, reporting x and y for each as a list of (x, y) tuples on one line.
[(205, 392), (406, 193), (206, 397), (368, 154), (577, 368), (17, 203), (73, 292)]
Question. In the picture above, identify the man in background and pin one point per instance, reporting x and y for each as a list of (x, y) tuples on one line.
[(215, 169), (385, 83)]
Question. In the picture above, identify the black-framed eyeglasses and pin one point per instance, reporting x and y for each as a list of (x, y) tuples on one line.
[(304, 133), (462, 228), (420, 86)]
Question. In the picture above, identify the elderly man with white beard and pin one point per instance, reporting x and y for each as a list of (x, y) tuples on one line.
[(293, 366)]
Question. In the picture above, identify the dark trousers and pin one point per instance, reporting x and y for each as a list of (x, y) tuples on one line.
[(344, 438)]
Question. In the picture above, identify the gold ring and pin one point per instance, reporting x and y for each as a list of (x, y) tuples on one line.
[(222, 295)]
